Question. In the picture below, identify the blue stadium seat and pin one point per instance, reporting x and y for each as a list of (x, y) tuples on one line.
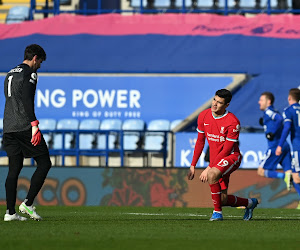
[(87, 141), (155, 140), (247, 4), (188, 3), (273, 3), (137, 3), (230, 4), (175, 123), (113, 137), (205, 3), (47, 124), (17, 14), (65, 124), (132, 139), (162, 3)]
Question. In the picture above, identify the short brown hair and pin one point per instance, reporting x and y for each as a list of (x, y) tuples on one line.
[(295, 94), (32, 50), (269, 96)]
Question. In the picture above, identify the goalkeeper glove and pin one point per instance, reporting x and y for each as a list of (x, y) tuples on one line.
[(36, 133), (270, 136), (261, 121)]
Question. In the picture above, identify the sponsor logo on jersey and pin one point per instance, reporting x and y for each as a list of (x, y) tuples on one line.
[(237, 129), (222, 138), (206, 124)]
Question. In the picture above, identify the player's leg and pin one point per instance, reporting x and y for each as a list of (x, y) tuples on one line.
[(286, 163), (37, 181), (15, 167), (296, 172), (267, 166), (213, 177)]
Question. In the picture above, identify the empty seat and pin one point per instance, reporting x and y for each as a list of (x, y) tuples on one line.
[(179, 3), (65, 124), (162, 3), (155, 140), (88, 141), (137, 3), (132, 140), (273, 4), (47, 124), (247, 4), (230, 4), (17, 14), (175, 123), (113, 137), (205, 3)]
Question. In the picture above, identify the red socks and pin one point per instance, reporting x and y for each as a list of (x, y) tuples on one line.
[(216, 196), (234, 201)]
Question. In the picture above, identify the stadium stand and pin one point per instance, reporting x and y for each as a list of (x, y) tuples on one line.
[(109, 140), (133, 136), (17, 14), (89, 140), (47, 126)]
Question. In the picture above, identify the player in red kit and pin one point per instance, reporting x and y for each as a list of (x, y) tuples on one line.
[(221, 129)]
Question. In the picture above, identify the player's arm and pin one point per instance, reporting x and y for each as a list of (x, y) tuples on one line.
[(285, 132), (198, 146), (28, 104), (277, 118)]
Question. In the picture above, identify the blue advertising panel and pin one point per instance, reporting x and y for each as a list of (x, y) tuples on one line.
[(252, 146), (121, 96)]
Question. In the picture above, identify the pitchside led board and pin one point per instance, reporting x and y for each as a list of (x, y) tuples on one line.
[(148, 97)]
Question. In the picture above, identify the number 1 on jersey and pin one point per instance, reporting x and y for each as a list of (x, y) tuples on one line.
[(298, 113), (9, 86)]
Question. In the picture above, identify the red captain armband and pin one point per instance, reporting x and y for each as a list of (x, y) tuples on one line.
[(35, 123)]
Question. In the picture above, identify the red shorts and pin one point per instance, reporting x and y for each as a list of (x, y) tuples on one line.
[(227, 165)]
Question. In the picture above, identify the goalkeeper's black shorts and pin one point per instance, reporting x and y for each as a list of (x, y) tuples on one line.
[(20, 142)]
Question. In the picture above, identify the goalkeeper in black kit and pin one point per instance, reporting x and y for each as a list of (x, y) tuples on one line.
[(21, 135)]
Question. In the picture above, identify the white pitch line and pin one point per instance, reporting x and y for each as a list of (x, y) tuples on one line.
[(292, 216)]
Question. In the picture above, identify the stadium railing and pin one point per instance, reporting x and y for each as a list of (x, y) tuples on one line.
[(224, 8), (76, 151)]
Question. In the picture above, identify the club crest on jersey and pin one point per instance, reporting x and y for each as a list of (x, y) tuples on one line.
[(222, 130), (237, 129), (34, 76)]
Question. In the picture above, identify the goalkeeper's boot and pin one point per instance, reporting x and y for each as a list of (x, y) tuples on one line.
[(15, 216), (216, 216), (288, 180), (298, 207), (249, 211), (30, 210)]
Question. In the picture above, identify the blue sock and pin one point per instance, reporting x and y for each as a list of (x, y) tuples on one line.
[(297, 187), (274, 174)]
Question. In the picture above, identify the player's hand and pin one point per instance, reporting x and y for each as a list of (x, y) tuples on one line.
[(270, 136), (278, 151), (203, 175), (191, 173), (36, 133), (261, 121)]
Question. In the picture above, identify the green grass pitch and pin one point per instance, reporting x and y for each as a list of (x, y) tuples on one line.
[(152, 228)]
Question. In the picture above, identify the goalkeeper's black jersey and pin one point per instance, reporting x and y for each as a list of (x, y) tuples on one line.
[(19, 89)]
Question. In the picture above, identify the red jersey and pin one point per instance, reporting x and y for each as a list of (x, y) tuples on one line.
[(219, 129)]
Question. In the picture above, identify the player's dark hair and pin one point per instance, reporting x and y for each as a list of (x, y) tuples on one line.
[(32, 50), (295, 94), (269, 96), (224, 93)]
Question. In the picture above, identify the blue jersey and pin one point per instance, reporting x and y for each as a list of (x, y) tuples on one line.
[(292, 115), (273, 123)]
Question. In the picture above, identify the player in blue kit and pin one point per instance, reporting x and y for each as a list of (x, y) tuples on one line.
[(273, 125), (291, 117)]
